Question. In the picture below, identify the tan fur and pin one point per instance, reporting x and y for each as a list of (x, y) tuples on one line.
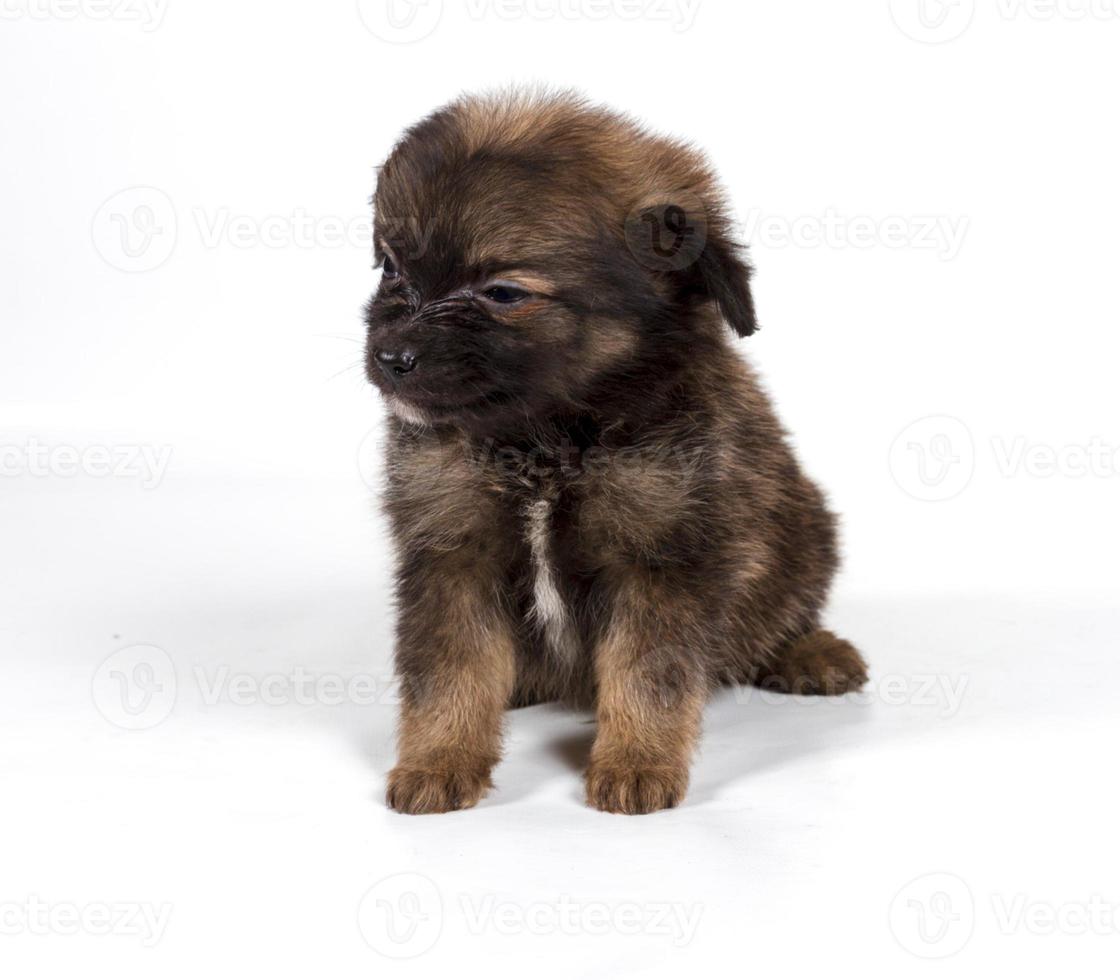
[(451, 719), (651, 693)]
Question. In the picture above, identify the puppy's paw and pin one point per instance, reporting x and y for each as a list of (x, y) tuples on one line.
[(817, 663), (417, 790), (635, 789)]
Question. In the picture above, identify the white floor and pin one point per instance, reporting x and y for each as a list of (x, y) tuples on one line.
[(195, 806)]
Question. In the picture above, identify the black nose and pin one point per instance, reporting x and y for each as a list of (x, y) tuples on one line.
[(396, 364)]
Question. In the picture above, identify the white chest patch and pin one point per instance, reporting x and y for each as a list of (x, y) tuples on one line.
[(549, 611)]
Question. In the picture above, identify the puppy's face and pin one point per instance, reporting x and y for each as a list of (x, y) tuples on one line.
[(515, 278), (496, 300)]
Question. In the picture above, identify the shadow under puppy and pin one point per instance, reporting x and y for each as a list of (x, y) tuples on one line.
[(590, 495)]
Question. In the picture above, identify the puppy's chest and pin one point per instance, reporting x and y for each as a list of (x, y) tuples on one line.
[(570, 527), (549, 578)]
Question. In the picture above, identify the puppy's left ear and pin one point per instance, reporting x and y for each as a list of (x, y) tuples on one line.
[(725, 276)]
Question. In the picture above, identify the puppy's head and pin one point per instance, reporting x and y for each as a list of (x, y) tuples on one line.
[(541, 257)]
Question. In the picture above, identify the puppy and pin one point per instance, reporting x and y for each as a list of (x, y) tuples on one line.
[(591, 498)]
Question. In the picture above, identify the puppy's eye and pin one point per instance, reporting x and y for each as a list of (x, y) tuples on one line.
[(505, 294), (389, 268)]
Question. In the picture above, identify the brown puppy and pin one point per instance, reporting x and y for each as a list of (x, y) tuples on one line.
[(590, 495)]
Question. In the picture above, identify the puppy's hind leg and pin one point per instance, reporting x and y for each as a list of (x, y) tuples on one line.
[(819, 662)]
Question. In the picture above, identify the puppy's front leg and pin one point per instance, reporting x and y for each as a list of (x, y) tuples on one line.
[(651, 689), (455, 657)]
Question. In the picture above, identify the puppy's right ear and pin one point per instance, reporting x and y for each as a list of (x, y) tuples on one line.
[(674, 236), (725, 275)]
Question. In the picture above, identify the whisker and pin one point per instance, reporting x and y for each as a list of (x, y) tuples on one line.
[(349, 367), (334, 336)]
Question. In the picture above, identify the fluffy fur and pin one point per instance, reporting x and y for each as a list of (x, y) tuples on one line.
[(591, 497)]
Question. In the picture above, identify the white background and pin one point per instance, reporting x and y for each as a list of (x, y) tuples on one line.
[(931, 196)]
